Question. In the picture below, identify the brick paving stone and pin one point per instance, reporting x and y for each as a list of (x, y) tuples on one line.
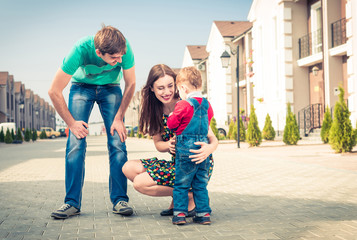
[(270, 192)]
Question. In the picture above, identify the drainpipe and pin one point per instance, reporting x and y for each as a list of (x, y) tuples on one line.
[(325, 54)]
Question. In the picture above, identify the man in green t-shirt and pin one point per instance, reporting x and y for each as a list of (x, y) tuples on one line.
[(96, 65)]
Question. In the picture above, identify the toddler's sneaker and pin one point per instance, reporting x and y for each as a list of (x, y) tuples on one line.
[(205, 220), (123, 209), (180, 219), (65, 212)]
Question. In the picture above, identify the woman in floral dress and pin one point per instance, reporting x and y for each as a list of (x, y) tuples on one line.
[(153, 176)]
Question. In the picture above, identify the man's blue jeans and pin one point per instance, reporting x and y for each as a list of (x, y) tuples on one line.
[(81, 101)]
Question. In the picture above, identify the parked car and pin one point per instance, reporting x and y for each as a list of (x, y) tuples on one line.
[(129, 128), (49, 132), (62, 132)]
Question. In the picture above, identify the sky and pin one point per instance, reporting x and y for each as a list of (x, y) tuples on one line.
[(36, 35)]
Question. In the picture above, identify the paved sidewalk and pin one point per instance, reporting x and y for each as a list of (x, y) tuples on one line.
[(270, 192)]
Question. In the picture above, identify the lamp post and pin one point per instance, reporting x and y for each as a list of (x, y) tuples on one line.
[(225, 58)]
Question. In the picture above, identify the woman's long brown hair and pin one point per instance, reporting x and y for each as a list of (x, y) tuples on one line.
[(151, 109)]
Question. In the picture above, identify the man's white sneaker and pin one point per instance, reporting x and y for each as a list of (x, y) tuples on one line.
[(122, 208), (65, 211)]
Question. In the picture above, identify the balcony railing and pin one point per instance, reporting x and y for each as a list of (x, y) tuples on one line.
[(310, 44), (338, 30)]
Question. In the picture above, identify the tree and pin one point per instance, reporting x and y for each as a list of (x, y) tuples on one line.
[(326, 126), (254, 136), (291, 131), (230, 130), (140, 135), (268, 130), (43, 134), (8, 137), (34, 135), (27, 135), (2, 135), (12, 134), (241, 131), (341, 136), (131, 132), (213, 126), (355, 135), (19, 138)]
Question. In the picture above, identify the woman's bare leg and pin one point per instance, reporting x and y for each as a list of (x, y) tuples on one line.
[(143, 183), (191, 202), (132, 168)]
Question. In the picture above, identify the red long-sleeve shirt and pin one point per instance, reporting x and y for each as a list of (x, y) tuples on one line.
[(183, 113)]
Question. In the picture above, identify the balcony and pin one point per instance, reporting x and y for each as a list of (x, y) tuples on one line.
[(310, 44), (338, 30), (310, 49)]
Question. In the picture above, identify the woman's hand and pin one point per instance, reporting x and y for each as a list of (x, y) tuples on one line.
[(206, 148), (201, 154), (172, 144)]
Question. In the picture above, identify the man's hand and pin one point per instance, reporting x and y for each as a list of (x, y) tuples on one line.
[(118, 126), (79, 129)]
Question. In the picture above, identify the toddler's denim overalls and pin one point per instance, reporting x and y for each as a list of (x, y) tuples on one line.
[(188, 173)]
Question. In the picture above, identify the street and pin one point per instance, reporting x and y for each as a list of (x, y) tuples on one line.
[(270, 192)]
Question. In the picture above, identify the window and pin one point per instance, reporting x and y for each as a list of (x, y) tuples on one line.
[(316, 25)]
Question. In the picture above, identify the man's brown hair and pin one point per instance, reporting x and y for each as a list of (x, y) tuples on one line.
[(110, 40), (190, 75)]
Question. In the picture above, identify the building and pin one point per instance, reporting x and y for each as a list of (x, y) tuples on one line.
[(22, 106), (221, 82), (303, 50), (132, 113), (19, 105), (196, 55), (7, 98)]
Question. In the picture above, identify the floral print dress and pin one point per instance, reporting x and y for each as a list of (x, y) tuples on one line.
[(163, 171)]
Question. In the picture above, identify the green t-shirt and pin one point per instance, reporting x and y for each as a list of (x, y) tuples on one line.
[(86, 67)]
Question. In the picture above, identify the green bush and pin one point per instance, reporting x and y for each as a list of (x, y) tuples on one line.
[(341, 136), (268, 130), (131, 132), (19, 136), (254, 136), (12, 134), (27, 135), (326, 126), (230, 130), (43, 135), (355, 134), (2, 135), (213, 126), (8, 138), (291, 131), (241, 131), (34, 135)]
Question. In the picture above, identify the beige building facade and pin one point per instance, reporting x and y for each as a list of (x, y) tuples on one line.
[(22, 106), (303, 50)]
